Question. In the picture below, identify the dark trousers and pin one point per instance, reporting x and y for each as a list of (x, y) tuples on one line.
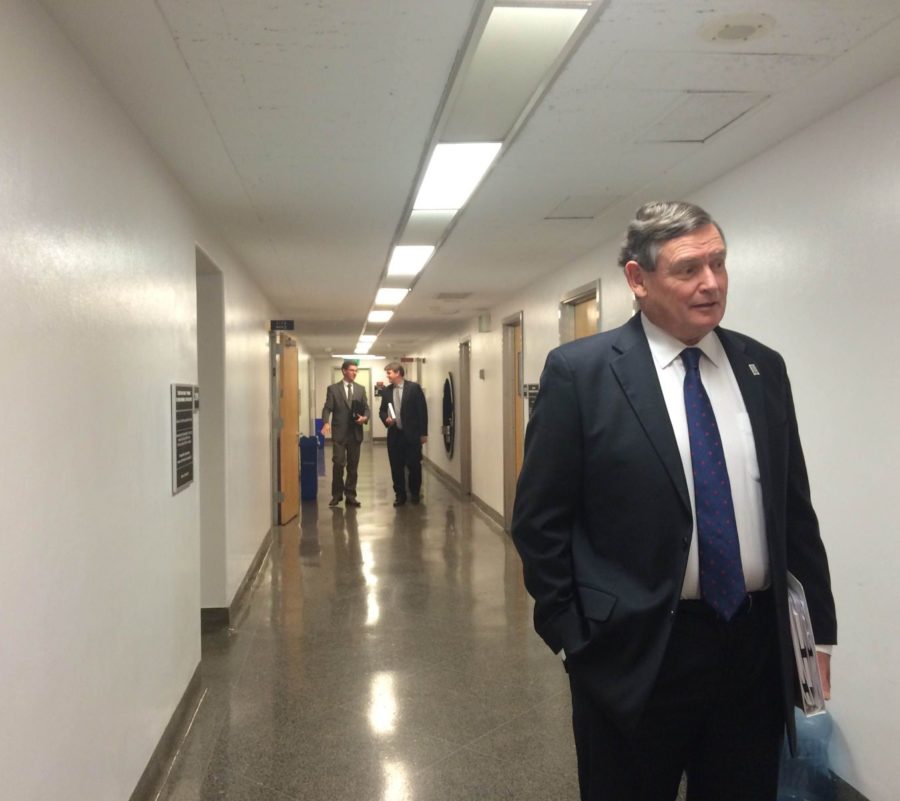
[(344, 455), (405, 455), (715, 714)]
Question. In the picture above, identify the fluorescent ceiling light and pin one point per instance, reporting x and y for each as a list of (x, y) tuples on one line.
[(513, 60), (356, 356), (408, 260), (368, 337), (453, 173), (390, 297), (426, 227), (380, 315), (363, 347)]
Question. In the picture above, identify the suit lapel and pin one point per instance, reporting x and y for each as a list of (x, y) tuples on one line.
[(752, 385), (636, 373)]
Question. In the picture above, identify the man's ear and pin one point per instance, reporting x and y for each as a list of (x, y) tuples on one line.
[(634, 274)]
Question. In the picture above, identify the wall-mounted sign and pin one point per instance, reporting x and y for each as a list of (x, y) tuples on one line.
[(281, 325), (182, 436)]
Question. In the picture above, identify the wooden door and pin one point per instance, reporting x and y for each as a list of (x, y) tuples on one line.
[(586, 317), (288, 452)]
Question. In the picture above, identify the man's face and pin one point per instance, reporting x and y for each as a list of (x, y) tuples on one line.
[(685, 294), (350, 373), (394, 376)]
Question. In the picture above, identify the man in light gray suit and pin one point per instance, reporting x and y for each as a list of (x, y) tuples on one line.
[(345, 413)]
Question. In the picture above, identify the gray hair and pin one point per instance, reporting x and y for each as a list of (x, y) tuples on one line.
[(395, 367), (657, 222)]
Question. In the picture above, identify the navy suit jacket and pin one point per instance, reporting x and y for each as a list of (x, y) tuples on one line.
[(602, 517), (413, 412)]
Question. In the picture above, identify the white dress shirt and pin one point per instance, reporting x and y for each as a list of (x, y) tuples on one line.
[(737, 442), (398, 397)]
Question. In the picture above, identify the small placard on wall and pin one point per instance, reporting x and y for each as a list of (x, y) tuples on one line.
[(281, 325), (531, 392), (182, 436)]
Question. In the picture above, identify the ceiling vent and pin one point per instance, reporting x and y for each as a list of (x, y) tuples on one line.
[(738, 28), (453, 295)]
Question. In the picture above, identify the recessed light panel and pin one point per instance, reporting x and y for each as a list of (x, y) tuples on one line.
[(380, 315), (409, 259), (387, 296), (453, 173)]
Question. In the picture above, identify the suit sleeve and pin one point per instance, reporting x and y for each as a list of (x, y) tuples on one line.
[(423, 406), (365, 399), (806, 557), (328, 407), (383, 409), (548, 499)]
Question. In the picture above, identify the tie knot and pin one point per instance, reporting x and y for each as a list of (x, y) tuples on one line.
[(691, 358)]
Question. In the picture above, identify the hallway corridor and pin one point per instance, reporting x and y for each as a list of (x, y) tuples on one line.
[(385, 655)]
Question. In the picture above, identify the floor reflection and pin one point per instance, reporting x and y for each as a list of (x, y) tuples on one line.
[(386, 655)]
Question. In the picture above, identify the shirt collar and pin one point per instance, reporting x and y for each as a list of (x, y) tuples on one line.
[(665, 348)]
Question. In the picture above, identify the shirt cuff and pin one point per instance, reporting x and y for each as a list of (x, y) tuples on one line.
[(824, 649)]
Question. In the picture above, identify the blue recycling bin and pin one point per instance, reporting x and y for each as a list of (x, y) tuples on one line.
[(309, 459), (319, 435)]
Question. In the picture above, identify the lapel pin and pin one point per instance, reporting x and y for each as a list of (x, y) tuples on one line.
[(754, 369)]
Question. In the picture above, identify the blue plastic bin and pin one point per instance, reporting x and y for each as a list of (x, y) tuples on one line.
[(309, 459)]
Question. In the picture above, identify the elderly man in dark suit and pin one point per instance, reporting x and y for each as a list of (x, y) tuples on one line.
[(345, 413), (405, 413), (662, 501)]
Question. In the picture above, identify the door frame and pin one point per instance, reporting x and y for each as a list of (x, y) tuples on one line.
[(512, 395)]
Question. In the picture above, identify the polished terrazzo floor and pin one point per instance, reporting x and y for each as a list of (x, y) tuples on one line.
[(385, 655)]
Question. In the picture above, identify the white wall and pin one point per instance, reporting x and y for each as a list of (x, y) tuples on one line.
[(100, 573), (211, 435), (813, 228), (248, 486)]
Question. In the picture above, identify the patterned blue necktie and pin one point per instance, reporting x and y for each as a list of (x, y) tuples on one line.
[(721, 572)]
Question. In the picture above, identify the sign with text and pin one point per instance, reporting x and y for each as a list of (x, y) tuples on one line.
[(281, 325), (182, 436)]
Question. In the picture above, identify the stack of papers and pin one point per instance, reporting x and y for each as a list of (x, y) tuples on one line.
[(811, 693)]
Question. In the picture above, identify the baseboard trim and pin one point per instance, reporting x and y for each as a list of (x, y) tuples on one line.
[(846, 792), (215, 618), (443, 475), (154, 775), (488, 511), (491, 514)]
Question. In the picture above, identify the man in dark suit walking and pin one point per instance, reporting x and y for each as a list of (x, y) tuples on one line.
[(345, 413), (405, 413), (662, 501)]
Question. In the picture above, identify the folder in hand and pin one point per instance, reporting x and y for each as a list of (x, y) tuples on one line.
[(391, 413), (357, 409), (811, 694)]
